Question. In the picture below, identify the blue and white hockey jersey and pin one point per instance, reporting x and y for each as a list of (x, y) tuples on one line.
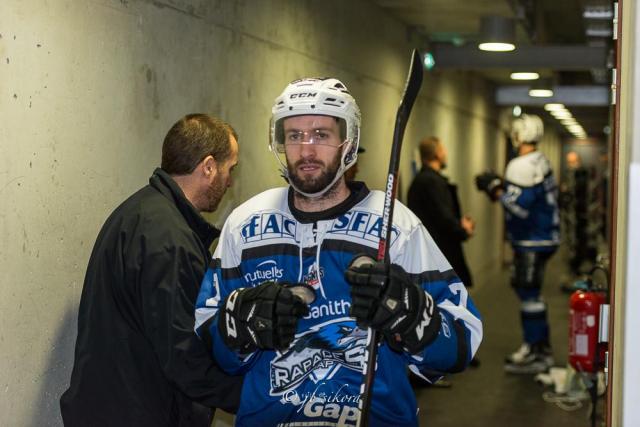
[(316, 381), (530, 200)]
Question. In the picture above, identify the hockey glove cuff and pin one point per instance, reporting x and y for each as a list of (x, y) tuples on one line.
[(263, 317), (384, 297), (490, 183)]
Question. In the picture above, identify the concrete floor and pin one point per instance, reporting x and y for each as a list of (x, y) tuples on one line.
[(487, 396)]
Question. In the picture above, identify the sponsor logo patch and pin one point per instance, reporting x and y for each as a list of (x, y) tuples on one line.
[(266, 270), (331, 308)]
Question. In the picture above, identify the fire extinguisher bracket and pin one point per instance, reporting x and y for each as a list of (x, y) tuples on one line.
[(603, 334)]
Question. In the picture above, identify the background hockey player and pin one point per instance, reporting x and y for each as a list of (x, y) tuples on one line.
[(303, 363), (528, 194)]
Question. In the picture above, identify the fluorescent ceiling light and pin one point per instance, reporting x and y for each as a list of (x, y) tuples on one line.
[(525, 75), (561, 114), (599, 29), (603, 12), (570, 121), (541, 93), (497, 47), (497, 34), (599, 32), (554, 107)]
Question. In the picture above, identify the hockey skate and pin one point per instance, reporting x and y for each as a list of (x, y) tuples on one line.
[(529, 359)]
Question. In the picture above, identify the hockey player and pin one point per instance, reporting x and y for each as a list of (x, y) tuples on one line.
[(303, 362), (529, 197)]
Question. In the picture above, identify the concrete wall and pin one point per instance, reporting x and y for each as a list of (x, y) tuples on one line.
[(89, 88)]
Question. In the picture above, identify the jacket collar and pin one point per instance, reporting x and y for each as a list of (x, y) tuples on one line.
[(429, 169), (162, 181)]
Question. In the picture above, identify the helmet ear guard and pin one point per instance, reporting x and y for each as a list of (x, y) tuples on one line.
[(317, 96)]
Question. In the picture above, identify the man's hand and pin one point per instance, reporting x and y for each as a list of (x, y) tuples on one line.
[(263, 317), (384, 297), (468, 224), (490, 183)]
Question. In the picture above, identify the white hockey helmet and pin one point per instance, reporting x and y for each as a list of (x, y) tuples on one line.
[(527, 129), (317, 96)]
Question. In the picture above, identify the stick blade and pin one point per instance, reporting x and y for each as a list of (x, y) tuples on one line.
[(412, 88)]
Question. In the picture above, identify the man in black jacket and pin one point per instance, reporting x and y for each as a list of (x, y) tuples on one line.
[(435, 201), (137, 360)]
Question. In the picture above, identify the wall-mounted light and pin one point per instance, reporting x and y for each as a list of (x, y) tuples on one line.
[(429, 61), (525, 75), (497, 34), (517, 111)]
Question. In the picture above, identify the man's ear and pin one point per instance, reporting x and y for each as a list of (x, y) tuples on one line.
[(209, 166)]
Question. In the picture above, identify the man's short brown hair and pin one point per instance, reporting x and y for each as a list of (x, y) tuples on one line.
[(428, 147), (193, 138)]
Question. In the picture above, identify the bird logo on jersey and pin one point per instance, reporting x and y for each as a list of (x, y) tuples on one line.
[(317, 354)]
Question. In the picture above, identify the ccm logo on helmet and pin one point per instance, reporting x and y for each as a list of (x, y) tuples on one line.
[(303, 95)]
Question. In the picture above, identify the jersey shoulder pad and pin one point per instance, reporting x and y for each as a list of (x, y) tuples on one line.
[(528, 170)]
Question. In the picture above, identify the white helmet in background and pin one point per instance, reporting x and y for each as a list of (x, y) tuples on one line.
[(527, 129), (317, 96)]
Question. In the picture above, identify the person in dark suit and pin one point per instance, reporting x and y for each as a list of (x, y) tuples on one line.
[(435, 201)]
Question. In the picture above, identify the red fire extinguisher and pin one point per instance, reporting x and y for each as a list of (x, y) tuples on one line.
[(584, 327)]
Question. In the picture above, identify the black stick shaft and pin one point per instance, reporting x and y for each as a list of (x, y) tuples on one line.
[(414, 81)]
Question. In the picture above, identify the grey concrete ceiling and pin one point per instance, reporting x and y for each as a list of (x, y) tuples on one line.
[(440, 18), (447, 24)]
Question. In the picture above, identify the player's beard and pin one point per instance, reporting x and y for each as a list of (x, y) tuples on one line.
[(316, 184), (214, 193)]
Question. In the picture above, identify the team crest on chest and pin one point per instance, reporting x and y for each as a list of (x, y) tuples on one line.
[(318, 354)]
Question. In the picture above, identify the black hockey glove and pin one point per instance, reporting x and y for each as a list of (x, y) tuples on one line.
[(384, 297), (490, 183), (263, 317)]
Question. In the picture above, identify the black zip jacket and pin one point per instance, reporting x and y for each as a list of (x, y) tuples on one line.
[(137, 359), (435, 201)]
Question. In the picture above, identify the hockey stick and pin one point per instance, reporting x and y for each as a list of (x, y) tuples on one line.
[(414, 81)]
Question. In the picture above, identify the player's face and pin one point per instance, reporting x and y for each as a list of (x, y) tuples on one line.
[(222, 179), (313, 148)]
